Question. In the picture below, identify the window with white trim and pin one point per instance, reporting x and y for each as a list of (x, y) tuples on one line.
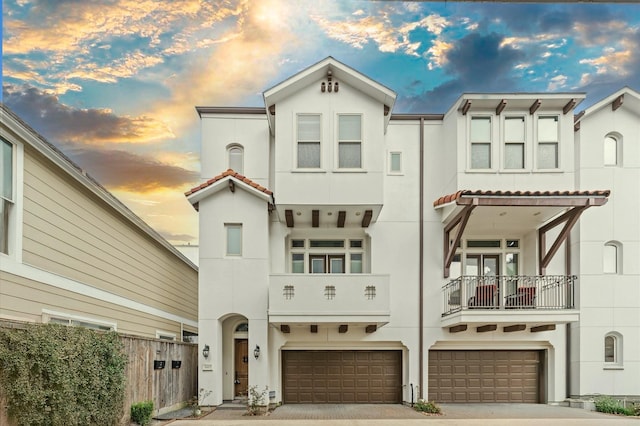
[(7, 177), (395, 163), (234, 239), (327, 256), (349, 141), (514, 142), (165, 335), (547, 136), (611, 150), (480, 139), (308, 141), (611, 258), (613, 350), (235, 155), (77, 321)]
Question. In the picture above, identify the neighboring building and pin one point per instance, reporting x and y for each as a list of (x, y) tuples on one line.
[(71, 253), (348, 254)]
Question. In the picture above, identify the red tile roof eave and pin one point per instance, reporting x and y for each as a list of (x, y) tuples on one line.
[(506, 194), (233, 174)]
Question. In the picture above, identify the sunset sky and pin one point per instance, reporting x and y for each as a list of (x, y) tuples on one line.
[(114, 83)]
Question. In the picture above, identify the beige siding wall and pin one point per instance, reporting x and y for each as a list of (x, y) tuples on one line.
[(25, 299), (72, 233)]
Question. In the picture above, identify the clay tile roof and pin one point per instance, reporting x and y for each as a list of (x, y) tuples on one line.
[(445, 199), (223, 175)]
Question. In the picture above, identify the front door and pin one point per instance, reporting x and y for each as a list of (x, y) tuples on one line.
[(241, 380)]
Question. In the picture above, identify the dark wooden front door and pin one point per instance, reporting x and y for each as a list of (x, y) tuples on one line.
[(241, 380)]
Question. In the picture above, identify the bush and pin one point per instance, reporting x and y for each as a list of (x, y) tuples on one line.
[(427, 407), (141, 412), (54, 375), (606, 404)]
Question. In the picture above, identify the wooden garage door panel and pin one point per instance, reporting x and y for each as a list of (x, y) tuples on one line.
[(484, 376), (342, 376)]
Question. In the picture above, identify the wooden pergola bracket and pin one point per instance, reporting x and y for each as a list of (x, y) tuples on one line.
[(569, 218), (450, 246)]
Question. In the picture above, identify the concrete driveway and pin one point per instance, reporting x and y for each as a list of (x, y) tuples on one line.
[(398, 415)]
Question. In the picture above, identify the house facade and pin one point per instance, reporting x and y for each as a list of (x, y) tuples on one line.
[(352, 255), (71, 253)]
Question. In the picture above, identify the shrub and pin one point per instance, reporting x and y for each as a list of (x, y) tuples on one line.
[(427, 407), (255, 401), (606, 404), (141, 412), (57, 375)]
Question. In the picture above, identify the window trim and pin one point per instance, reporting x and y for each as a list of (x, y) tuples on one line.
[(48, 315), (15, 214), (618, 257), (328, 253), (618, 361), (490, 142), (298, 141), (228, 227), (505, 142), (349, 141), (617, 138), (390, 171), (230, 148), (538, 142)]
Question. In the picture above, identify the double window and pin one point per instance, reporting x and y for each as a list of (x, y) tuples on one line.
[(319, 256), (309, 141), (6, 194)]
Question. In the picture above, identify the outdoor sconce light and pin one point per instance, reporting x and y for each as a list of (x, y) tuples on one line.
[(205, 351), (256, 352)]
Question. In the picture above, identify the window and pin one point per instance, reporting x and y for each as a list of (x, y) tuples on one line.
[(76, 321), (165, 335), (349, 142), (395, 163), (327, 256), (548, 142), (611, 258), (480, 137), (6, 196), (514, 138), (236, 158), (234, 240), (613, 350), (611, 150), (309, 141)]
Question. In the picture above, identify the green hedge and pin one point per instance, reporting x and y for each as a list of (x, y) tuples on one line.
[(57, 375), (141, 412)]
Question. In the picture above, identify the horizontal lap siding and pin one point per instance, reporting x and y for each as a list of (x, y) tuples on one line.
[(484, 376), (70, 232)]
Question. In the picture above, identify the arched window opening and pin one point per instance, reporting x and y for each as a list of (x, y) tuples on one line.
[(236, 159), (242, 328), (613, 349), (612, 258)]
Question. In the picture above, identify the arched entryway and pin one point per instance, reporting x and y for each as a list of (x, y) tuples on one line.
[(235, 337)]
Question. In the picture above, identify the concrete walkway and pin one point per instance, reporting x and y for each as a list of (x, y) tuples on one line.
[(398, 415)]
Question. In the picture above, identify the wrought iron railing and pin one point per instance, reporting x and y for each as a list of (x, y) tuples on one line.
[(550, 292)]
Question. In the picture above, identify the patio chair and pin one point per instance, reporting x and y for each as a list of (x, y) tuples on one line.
[(485, 297), (524, 297)]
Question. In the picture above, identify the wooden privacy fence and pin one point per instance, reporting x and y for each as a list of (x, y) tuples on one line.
[(169, 387)]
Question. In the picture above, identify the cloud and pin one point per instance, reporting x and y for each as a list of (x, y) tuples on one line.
[(63, 123), (126, 171)]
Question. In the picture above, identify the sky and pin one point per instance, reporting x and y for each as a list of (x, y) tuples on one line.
[(114, 83)]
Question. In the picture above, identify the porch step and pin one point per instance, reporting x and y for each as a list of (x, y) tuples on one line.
[(236, 404)]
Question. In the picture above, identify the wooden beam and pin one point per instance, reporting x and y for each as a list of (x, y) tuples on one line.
[(313, 328), (386, 109), (458, 328), (366, 219), (617, 103), (569, 106), (288, 215), (546, 327), (315, 218), (501, 106), (534, 106), (285, 328), (342, 216), (485, 328), (371, 328), (272, 110), (466, 106), (343, 328), (450, 246), (512, 328), (570, 217), (576, 126), (232, 186)]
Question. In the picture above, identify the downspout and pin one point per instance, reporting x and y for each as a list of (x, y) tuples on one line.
[(421, 263), (568, 325)]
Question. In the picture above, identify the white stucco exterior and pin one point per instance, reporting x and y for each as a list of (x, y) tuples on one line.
[(400, 287)]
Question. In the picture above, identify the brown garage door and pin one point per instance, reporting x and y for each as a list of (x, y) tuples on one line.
[(484, 376), (316, 377)]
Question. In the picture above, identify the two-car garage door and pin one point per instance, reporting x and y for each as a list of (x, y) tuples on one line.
[(485, 376), (348, 377)]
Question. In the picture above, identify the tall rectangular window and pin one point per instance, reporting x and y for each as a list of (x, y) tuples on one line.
[(514, 137), (395, 162), (548, 142), (308, 141), (349, 141), (234, 239), (480, 138), (6, 194)]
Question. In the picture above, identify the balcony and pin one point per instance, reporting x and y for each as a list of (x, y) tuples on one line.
[(509, 300), (329, 298)]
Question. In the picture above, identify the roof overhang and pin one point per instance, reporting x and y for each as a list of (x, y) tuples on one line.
[(626, 97), (228, 180)]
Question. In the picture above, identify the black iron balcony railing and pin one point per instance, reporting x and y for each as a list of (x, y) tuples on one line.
[(550, 292)]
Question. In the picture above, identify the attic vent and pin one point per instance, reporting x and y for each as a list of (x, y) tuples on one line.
[(329, 85)]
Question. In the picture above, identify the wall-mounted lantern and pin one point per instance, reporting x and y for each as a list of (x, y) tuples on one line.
[(205, 351), (256, 352)]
